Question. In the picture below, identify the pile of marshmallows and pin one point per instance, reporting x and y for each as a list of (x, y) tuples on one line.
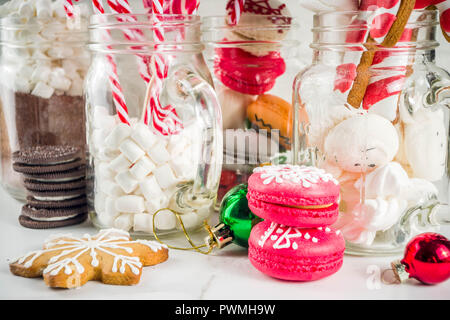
[(138, 172), (46, 54)]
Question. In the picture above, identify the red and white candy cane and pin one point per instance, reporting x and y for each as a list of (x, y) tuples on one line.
[(116, 88), (235, 8), (69, 8), (164, 118), (132, 34)]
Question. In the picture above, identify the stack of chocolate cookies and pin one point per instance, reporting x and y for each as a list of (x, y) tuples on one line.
[(55, 177)]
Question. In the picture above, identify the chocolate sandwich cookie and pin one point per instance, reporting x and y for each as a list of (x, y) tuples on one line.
[(46, 204), (34, 224), (57, 195), (68, 175), (52, 214), (51, 168), (47, 155), (36, 185)]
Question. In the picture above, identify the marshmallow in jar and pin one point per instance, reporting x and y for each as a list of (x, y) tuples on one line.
[(43, 65), (389, 150), (139, 172)]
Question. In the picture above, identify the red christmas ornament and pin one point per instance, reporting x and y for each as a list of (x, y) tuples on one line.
[(427, 259)]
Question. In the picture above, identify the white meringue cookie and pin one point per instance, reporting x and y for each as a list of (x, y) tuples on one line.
[(362, 143), (385, 181), (419, 191)]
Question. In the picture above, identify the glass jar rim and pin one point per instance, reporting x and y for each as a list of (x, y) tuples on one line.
[(142, 25), (112, 20), (422, 23)]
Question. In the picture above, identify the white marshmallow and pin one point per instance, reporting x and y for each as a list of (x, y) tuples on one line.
[(42, 90), (130, 204), (143, 136), (124, 221), (165, 176), (41, 73), (190, 220), (126, 181), (165, 220), (105, 220), (100, 202), (98, 138), (117, 135), (109, 187), (23, 85), (43, 9), (386, 108), (60, 52), (131, 150), (142, 168), (58, 9), (101, 118), (143, 222), (106, 154), (76, 88), (103, 170), (159, 153), (419, 191), (120, 164), (110, 207), (150, 188), (26, 10), (184, 166), (59, 81), (155, 204)]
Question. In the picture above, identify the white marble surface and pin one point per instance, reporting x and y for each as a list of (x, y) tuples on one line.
[(225, 275)]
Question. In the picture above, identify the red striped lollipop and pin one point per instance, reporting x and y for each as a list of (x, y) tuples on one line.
[(235, 9)]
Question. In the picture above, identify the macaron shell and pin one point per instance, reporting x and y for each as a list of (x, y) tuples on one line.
[(271, 112), (246, 73), (298, 254), (269, 186), (295, 217)]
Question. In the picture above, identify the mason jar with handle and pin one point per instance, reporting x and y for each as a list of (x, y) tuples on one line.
[(389, 149), (153, 125)]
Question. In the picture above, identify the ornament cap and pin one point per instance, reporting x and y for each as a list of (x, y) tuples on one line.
[(220, 236), (399, 271)]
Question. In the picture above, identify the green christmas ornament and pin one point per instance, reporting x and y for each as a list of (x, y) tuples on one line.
[(236, 220)]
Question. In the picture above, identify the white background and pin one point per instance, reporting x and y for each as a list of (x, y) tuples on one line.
[(225, 275)]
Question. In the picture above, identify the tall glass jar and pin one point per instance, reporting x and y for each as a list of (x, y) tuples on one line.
[(253, 64), (168, 155), (43, 64), (382, 129)]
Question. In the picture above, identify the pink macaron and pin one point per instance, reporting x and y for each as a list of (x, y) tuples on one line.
[(246, 73), (296, 254), (297, 196)]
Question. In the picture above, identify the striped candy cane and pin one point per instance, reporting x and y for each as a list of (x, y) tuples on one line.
[(235, 9), (116, 88), (69, 8), (132, 34), (382, 23), (164, 118)]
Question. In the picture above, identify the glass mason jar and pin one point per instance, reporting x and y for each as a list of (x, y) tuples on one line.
[(254, 64), (145, 165), (43, 65), (388, 146)]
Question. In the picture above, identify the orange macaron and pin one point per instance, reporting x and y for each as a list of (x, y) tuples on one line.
[(270, 112)]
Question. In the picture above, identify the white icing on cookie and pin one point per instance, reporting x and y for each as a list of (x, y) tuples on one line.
[(306, 176), (105, 241)]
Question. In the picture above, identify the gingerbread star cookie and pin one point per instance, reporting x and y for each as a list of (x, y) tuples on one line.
[(110, 257)]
